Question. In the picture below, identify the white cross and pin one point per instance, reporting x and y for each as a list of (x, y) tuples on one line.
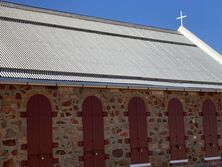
[(181, 18)]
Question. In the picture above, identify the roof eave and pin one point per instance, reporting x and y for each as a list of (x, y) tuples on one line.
[(102, 85)]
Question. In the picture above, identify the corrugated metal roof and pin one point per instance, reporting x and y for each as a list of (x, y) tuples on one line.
[(97, 25), (146, 53)]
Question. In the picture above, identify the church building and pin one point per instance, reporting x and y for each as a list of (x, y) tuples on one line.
[(78, 91)]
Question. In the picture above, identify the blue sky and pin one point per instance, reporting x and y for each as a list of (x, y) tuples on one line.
[(204, 16)]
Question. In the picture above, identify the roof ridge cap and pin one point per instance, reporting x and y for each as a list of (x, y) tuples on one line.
[(201, 44)]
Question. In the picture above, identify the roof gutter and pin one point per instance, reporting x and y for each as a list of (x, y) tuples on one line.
[(103, 85)]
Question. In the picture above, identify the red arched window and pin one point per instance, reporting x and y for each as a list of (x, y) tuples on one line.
[(39, 132), (93, 132), (176, 130), (210, 129), (138, 131)]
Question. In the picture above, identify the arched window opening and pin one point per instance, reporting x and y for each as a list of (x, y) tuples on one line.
[(176, 130), (138, 131), (93, 132), (210, 129), (39, 132)]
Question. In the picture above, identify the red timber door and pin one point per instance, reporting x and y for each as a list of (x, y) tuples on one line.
[(93, 132), (176, 130), (39, 132), (210, 129), (138, 131)]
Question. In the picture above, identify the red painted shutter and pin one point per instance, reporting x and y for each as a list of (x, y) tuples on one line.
[(213, 125), (133, 125), (172, 129), (99, 133), (210, 129), (138, 131), (93, 133), (180, 130), (142, 130), (206, 128), (176, 129), (33, 132), (45, 132), (88, 132), (39, 132)]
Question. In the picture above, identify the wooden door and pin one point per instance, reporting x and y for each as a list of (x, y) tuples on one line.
[(39, 132), (176, 130), (93, 133), (210, 129), (138, 131)]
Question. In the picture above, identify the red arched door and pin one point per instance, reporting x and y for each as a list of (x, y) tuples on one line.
[(93, 132), (176, 130), (138, 131), (39, 132), (210, 129)]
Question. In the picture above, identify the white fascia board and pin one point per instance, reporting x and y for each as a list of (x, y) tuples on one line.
[(202, 45), (212, 158), (179, 161), (141, 165)]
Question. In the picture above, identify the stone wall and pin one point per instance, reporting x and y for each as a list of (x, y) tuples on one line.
[(67, 126)]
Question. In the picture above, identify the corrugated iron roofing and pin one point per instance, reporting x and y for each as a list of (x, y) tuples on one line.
[(119, 50), (77, 22)]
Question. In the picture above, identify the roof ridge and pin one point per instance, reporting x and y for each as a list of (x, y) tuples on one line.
[(85, 17), (201, 44)]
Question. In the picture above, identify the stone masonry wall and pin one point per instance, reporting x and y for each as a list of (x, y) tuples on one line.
[(67, 126)]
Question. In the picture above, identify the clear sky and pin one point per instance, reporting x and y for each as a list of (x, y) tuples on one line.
[(204, 16)]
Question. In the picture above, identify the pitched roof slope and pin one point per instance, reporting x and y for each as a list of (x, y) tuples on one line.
[(44, 45)]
